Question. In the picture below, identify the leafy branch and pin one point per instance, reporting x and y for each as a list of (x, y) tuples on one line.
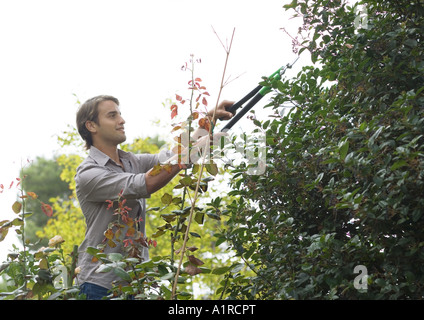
[(201, 169)]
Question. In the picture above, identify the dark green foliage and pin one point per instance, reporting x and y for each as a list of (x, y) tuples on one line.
[(344, 181)]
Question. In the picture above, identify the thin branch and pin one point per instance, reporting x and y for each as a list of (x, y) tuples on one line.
[(196, 192), (229, 80)]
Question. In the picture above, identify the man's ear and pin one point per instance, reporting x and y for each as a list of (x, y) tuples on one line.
[(91, 126)]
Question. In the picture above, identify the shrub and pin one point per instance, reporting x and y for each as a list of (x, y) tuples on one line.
[(344, 181)]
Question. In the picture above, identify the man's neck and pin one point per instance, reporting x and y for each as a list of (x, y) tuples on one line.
[(111, 151)]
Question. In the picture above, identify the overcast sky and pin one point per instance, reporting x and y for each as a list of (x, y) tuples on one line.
[(132, 49)]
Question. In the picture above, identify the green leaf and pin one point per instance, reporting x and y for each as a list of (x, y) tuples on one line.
[(17, 222), (158, 233), (213, 216), (195, 169), (398, 164), (186, 181), (92, 251), (122, 274), (166, 199), (184, 296), (326, 38), (199, 217), (317, 180), (178, 212), (220, 240), (153, 209), (166, 291), (212, 168), (412, 43), (237, 267), (115, 256), (168, 276), (343, 149), (16, 207), (104, 268), (220, 270), (169, 217)]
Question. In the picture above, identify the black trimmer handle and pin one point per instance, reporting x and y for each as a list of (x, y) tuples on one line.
[(238, 104), (242, 112)]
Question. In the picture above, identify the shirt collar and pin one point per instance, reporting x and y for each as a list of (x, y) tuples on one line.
[(102, 158)]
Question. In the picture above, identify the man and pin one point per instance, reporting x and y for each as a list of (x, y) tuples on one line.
[(106, 172)]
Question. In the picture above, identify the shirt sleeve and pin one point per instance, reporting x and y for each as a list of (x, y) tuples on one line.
[(148, 161), (98, 183)]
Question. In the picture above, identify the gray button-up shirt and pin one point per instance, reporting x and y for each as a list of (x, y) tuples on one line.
[(98, 179)]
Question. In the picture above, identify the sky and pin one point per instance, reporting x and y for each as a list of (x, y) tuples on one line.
[(53, 53)]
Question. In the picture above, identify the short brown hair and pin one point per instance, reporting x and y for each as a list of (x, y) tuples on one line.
[(88, 111)]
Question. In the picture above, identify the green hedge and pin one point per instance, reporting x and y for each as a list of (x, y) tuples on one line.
[(344, 181)]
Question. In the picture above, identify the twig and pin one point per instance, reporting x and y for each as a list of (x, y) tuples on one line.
[(196, 192)]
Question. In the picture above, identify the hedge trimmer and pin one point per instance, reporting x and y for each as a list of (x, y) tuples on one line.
[(254, 96)]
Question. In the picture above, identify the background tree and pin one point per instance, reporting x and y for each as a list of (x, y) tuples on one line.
[(43, 178), (344, 181)]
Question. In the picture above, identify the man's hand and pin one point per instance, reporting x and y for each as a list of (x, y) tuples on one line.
[(221, 111)]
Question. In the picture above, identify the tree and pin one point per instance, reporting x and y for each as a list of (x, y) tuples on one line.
[(43, 178), (339, 211)]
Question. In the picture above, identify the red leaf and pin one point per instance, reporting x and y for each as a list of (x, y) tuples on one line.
[(130, 232), (47, 209), (110, 205), (192, 270), (204, 123), (174, 111), (179, 98), (33, 195), (198, 79), (195, 115), (204, 101), (195, 261), (127, 242)]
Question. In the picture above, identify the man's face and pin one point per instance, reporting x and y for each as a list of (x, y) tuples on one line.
[(110, 129)]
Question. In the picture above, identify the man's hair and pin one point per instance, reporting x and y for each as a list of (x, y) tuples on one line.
[(88, 111)]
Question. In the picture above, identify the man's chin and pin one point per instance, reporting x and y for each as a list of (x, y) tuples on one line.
[(122, 140)]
